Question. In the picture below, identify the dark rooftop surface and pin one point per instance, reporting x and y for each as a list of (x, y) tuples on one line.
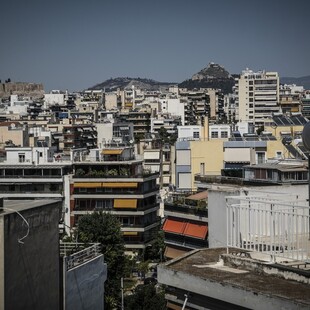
[(201, 263)]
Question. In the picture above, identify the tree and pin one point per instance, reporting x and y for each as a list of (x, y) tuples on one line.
[(155, 252), (145, 297), (105, 229), (166, 137)]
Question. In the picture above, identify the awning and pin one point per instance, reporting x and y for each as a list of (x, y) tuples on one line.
[(102, 184), (186, 228), (130, 233), (120, 185), (112, 152), (125, 203), (172, 306), (173, 252), (87, 185), (172, 226), (196, 231), (198, 196)]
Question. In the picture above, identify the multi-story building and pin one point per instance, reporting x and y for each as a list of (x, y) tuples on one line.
[(29, 253), (289, 96), (258, 233), (79, 136), (186, 222), (257, 96), (305, 105), (35, 173), (83, 273), (197, 106), (113, 180), (141, 120)]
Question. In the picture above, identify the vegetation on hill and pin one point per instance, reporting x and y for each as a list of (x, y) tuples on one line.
[(128, 82)]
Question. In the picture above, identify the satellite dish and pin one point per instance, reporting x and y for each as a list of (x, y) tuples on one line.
[(306, 136)]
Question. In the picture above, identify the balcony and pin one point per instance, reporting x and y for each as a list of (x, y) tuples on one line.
[(200, 210)]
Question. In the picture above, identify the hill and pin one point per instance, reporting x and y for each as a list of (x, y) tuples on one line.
[(128, 82), (212, 76), (300, 81)]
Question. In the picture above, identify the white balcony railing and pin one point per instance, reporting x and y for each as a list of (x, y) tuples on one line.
[(269, 225)]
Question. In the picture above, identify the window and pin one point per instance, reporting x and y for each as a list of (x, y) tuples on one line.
[(278, 154), (224, 134), (214, 134), (260, 157), (41, 154), (21, 157), (196, 134)]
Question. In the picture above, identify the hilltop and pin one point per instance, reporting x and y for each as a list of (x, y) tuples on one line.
[(128, 82), (212, 76)]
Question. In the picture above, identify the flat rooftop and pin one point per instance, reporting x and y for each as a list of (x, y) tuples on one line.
[(10, 206), (205, 264)]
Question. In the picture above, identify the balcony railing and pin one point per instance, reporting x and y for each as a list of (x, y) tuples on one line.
[(83, 253), (276, 226)]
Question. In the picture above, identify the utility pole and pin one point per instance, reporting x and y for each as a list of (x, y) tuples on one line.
[(122, 289)]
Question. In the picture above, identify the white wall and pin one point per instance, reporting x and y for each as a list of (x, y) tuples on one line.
[(187, 132), (52, 99)]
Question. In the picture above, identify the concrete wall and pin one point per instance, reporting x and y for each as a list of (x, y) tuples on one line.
[(222, 291), (85, 286), (31, 277)]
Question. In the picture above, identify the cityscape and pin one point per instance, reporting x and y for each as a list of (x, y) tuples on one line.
[(173, 175)]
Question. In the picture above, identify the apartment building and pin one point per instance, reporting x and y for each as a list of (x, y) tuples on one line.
[(305, 104), (141, 120), (113, 180), (186, 222), (257, 96), (289, 96)]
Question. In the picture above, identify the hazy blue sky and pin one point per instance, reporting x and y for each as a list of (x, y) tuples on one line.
[(76, 44)]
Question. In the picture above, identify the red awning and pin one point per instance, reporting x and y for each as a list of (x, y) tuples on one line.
[(185, 228), (173, 226), (196, 231)]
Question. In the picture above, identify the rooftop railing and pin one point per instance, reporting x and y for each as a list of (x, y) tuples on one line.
[(269, 225), (78, 253)]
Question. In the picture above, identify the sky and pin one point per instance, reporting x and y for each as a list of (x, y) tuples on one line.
[(75, 44)]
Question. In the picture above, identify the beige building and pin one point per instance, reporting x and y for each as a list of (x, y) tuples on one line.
[(13, 133)]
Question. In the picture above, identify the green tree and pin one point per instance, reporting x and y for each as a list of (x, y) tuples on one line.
[(105, 229), (145, 297), (166, 137), (156, 251)]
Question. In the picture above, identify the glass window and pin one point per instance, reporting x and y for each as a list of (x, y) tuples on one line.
[(196, 134), (224, 134), (214, 134)]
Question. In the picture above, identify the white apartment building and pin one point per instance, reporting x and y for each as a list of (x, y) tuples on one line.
[(257, 96), (173, 106)]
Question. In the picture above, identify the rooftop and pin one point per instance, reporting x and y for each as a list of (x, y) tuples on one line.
[(11, 206), (238, 268)]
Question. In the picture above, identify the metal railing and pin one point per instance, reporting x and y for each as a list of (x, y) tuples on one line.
[(271, 226), (78, 253)]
